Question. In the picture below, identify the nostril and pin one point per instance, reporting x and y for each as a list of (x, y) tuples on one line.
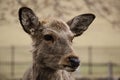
[(74, 62)]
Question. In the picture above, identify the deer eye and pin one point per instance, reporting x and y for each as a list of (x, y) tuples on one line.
[(48, 37)]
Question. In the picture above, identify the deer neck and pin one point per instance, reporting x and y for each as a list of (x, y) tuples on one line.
[(45, 73), (49, 74)]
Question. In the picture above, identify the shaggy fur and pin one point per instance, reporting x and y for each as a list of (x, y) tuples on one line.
[(53, 55)]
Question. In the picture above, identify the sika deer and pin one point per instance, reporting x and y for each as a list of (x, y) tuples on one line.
[(53, 55)]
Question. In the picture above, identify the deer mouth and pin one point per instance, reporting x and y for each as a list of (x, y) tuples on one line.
[(70, 68)]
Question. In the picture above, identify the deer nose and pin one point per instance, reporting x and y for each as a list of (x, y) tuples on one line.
[(74, 61)]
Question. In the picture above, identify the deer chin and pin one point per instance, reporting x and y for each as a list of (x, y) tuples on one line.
[(69, 68)]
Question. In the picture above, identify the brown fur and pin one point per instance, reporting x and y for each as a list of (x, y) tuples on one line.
[(53, 55)]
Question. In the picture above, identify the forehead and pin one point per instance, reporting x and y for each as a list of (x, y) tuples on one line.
[(57, 25)]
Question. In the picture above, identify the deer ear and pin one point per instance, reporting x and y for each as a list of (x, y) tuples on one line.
[(80, 23), (28, 20)]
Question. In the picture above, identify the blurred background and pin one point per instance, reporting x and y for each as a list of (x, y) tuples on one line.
[(98, 48)]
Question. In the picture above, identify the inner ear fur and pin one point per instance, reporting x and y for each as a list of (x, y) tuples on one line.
[(28, 20)]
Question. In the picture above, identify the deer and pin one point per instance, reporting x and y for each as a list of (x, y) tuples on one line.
[(53, 55)]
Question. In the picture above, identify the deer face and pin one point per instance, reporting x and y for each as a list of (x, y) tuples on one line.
[(53, 39)]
